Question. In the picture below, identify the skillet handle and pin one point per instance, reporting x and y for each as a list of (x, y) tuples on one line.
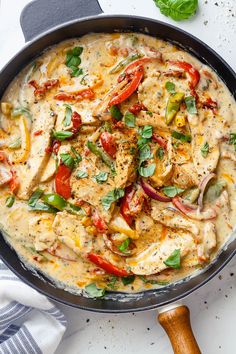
[(41, 15), (176, 323)]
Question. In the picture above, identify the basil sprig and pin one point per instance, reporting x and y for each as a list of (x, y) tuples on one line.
[(111, 197), (182, 137), (67, 119), (177, 9), (73, 60), (173, 261), (129, 119), (205, 149), (170, 86)]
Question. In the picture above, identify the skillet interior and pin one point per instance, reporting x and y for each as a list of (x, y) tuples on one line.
[(152, 298)]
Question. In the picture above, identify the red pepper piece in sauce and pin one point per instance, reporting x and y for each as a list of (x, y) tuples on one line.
[(79, 96), (124, 205), (136, 108), (107, 266), (108, 143), (76, 122), (62, 181), (160, 140), (193, 73), (98, 222)]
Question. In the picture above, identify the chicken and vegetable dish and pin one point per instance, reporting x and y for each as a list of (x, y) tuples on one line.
[(117, 163)]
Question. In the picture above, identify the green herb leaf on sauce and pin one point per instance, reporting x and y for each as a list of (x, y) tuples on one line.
[(124, 245), (170, 86), (93, 291), (68, 160), (112, 283), (147, 132), (190, 102), (128, 280), (73, 60), (35, 197), (115, 112), (10, 201), (15, 144), (101, 177), (81, 174), (172, 191), (232, 139), (142, 141), (147, 171), (130, 119), (160, 153), (144, 153), (78, 157), (149, 113), (205, 149), (173, 261), (21, 111), (39, 206), (152, 281), (62, 135), (182, 137), (67, 119), (177, 9), (111, 197)]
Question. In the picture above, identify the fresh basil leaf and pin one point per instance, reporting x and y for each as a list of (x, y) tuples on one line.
[(149, 113), (141, 142), (160, 153), (112, 283), (173, 261), (77, 51), (81, 174), (232, 139), (10, 201), (190, 102), (78, 157), (21, 111), (214, 191), (132, 150), (128, 280), (125, 244), (172, 191), (101, 177), (130, 119), (205, 149), (76, 72), (62, 135), (115, 112), (147, 171), (35, 197), (144, 153), (68, 160), (111, 197), (147, 132), (170, 86), (93, 291), (152, 281), (73, 60), (177, 9), (182, 137), (39, 206), (16, 144), (67, 119)]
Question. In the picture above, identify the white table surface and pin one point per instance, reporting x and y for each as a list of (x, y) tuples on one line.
[(213, 307)]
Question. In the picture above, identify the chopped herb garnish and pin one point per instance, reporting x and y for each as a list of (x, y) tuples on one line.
[(232, 139), (93, 291), (111, 197), (68, 160), (160, 153), (128, 280), (40, 206), (173, 261), (21, 111), (101, 177), (141, 142), (62, 135), (78, 157), (170, 86), (67, 119), (35, 197), (115, 112), (205, 149), (182, 137), (132, 150), (112, 283), (83, 81), (172, 191), (191, 104), (214, 191), (144, 153), (146, 132), (73, 60), (147, 171), (125, 244), (10, 201), (153, 281), (81, 174), (129, 119), (149, 113)]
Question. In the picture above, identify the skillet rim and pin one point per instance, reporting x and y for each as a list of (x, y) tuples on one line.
[(30, 278)]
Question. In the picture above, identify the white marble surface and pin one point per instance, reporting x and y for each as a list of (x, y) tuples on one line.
[(213, 307)]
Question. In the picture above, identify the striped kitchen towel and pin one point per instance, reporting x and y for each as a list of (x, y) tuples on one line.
[(29, 322)]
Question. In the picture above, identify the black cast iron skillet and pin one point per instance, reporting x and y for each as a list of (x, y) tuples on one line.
[(44, 14)]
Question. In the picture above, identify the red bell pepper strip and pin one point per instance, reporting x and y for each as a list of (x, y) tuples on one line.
[(108, 143), (193, 73), (210, 103), (132, 66), (124, 205), (78, 96), (14, 183), (136, 108), (40, 90), (62, 181), (76, 122), (130, 88), (98, 222), (107, 266), (160, 140)]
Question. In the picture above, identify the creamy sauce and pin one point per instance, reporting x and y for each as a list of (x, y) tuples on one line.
[(148, 235)]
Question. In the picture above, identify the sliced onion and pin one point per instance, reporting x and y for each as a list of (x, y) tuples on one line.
[(152, 193), (191, 211), (202, 187)]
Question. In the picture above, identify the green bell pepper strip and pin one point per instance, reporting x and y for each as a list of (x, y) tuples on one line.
[(100, 153), (55, 200), (173, 106), (125, 62)]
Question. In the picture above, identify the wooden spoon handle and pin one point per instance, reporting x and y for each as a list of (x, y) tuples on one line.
[(176, 323)]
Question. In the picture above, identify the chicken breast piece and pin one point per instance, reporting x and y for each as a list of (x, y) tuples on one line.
[(125, 164), (150, 91), (151, 260), (72, 233), (49, 170), (208, 243), (156, 120), (40, 229), (30, 174), (185, 176), (172, 219)]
